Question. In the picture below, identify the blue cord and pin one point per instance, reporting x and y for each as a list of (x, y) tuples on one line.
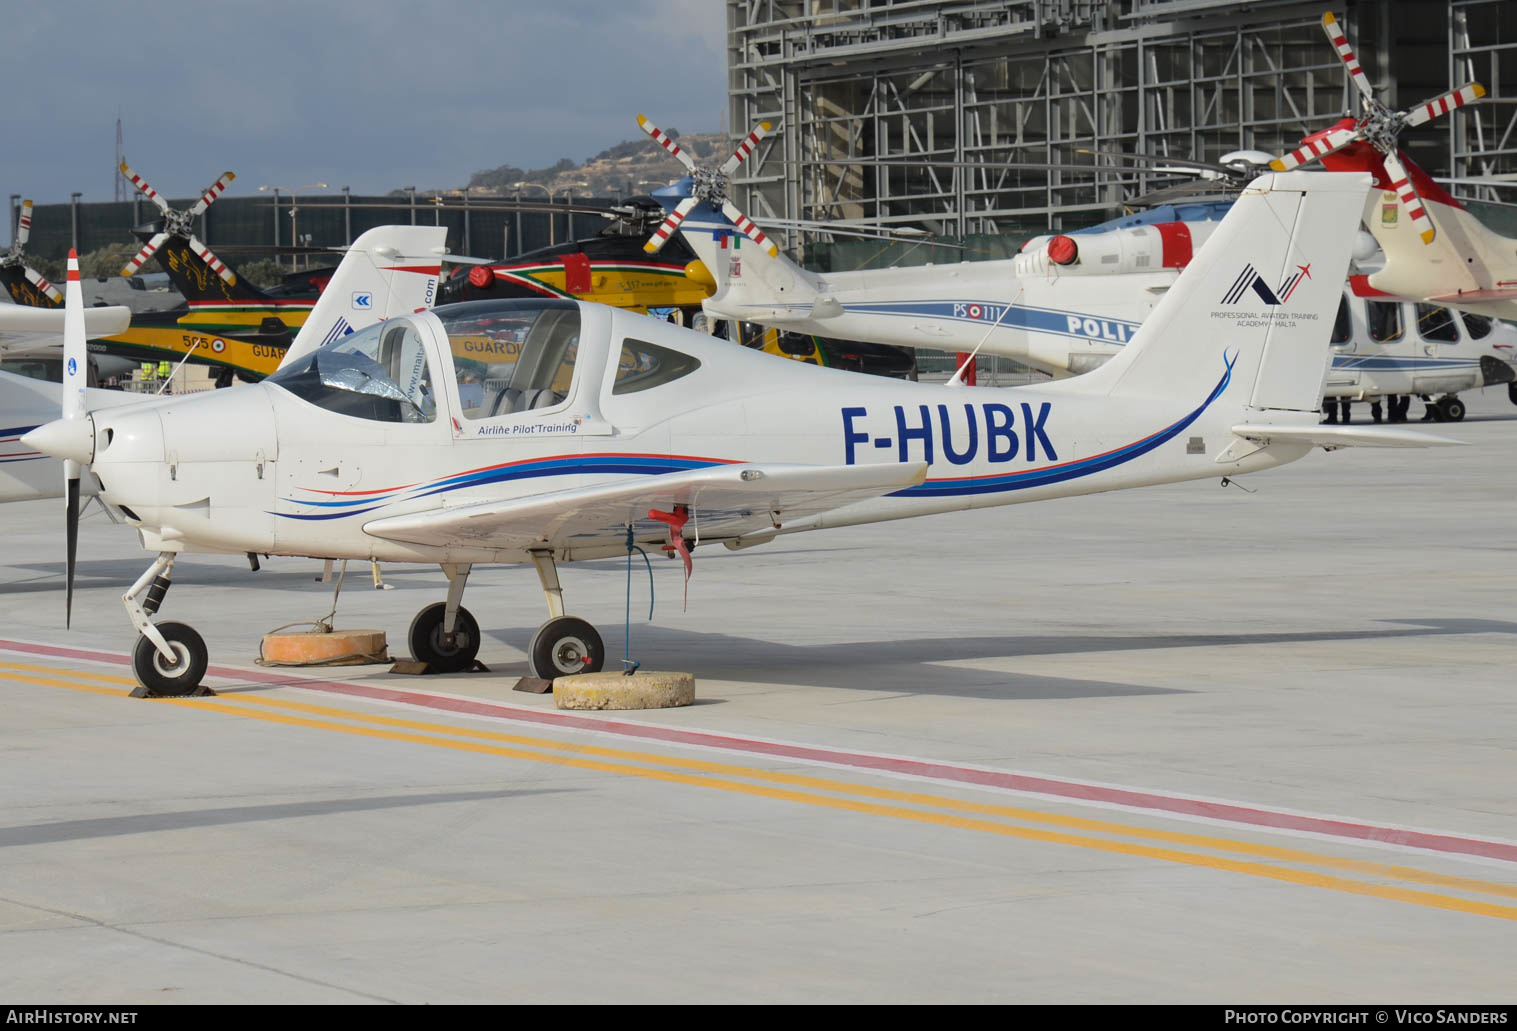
[(630, 666)]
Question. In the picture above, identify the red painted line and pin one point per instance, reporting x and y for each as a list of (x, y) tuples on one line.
[(1223, 812)]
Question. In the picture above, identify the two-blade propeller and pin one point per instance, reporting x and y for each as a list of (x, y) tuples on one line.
[(75, 378), (16, 256), (1380, 127), (179, 223), (709, 185)]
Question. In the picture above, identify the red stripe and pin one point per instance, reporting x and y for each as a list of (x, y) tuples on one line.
[(1227, 812), (425, 270)]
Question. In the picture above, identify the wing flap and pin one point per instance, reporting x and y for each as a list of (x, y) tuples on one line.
[(1476, 296), (725, 501)]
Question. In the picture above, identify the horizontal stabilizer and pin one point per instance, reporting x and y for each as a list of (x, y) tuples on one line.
[(1476, 296), (724, 501), (98, 322), (1342, 436)]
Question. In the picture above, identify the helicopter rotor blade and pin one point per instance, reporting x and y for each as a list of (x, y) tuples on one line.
[(142, 184)]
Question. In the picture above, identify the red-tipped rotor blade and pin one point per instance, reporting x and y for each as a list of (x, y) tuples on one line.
[(746, 147), (42, 284), (1334, 32), (1315, 149), (667, 227), (24, 224), (664, 141), (1406, 194), (142, 184), (144, 254), (210, 195), (747, 228), (214, 262), (1466, 94)]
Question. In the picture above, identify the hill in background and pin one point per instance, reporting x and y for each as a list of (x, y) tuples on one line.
[(631, 167)]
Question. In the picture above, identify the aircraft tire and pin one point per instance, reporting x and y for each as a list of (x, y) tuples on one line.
[(425, 638), (157, 675), (1453, 409), (565, 646), (1511, 392)]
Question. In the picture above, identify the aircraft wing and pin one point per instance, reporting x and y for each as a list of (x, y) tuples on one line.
[(24, 329), (724, 501)]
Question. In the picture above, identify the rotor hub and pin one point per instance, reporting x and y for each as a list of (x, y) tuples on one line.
[(710, 185)]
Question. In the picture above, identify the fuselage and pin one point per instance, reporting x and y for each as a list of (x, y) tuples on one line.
[(299, 464)]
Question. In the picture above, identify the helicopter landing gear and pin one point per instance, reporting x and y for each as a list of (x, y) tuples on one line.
[(564, 645), (170, 659), (445, 635)]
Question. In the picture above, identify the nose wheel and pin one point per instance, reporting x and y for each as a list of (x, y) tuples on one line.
[(564, 646), (177, 677)]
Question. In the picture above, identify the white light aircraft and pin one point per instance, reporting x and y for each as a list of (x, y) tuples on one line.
[(586, 430)]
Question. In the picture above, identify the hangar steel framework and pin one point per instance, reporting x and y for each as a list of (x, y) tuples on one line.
[(941, 112)]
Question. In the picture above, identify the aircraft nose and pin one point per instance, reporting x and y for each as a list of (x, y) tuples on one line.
[(72, 439)]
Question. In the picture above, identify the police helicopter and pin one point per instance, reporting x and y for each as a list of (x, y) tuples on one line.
[(589, 430)]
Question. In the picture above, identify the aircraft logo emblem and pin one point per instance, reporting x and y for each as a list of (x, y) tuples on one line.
[(1250, 279), (218, 345), (73, 367), (363, 301)]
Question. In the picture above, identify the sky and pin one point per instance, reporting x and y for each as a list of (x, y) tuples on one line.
[(372, 94)]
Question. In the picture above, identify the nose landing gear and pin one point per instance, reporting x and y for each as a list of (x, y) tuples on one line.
[(169, 659)]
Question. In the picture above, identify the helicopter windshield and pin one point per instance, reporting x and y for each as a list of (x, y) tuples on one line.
[(380, 373)]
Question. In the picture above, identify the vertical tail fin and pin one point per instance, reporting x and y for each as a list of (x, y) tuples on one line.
[(1255, 305), (751, 284), (389, 271)]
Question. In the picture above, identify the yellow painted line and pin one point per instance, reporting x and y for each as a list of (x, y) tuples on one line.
[(1368, 867), (1340, 884), (81, 673), (227, 704)]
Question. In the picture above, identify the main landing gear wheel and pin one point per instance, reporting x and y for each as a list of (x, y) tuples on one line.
[(564, 646), (427, 643), (1452, 409), (177, 678)]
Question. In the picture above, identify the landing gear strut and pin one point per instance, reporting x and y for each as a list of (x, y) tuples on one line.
[(170, 658), (563, 645), (445, 635)]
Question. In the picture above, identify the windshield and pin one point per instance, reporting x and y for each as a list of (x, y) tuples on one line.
[(380, 373)]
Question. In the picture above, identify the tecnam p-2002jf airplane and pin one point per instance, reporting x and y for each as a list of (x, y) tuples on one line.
[(549, 431)]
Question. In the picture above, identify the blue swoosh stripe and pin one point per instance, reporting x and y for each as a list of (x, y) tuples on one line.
[(1069, 470)]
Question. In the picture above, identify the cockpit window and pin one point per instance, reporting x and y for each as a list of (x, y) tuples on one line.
[(643, 366), (511, 359), (1343, 328), (1479, 326), (380, 373), (1384, 320), (1435, 322)]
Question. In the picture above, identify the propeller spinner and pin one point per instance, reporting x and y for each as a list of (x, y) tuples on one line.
[(1380, 127), (709, 185), (16, 256), (179, 223)]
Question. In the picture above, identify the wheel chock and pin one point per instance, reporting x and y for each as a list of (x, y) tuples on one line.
[(146, 692), (533, 685), (415, 668), (616, 690)]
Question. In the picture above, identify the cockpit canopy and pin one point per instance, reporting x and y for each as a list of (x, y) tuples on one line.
[(507, 356)]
